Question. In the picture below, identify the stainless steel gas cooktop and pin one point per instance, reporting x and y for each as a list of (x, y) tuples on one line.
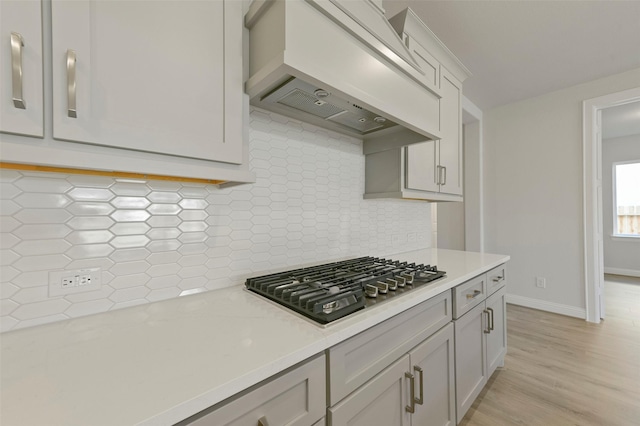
[(332, 291)]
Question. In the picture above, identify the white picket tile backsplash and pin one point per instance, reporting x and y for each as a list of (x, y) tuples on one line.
[(156, 240)]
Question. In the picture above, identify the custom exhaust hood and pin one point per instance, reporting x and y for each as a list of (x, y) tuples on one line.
[(340, 65)]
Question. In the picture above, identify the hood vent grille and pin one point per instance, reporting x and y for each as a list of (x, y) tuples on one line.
[(301, 96), (308, 103)]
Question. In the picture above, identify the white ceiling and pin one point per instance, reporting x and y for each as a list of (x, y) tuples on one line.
[(622, 120), (521, 49)]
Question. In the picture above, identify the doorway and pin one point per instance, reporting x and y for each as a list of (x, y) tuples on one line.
[(593, 199)]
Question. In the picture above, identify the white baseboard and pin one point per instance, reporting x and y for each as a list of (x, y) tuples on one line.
[(543, 305), (620, 271)]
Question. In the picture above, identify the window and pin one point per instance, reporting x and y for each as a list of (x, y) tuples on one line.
[(626, 190)]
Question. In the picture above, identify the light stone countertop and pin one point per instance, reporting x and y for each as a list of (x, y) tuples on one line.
[(160, 363)]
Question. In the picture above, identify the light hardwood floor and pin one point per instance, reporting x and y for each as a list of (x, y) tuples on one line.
[(564, 371)]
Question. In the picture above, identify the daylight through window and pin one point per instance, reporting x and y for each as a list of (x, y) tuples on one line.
[(627, 198)]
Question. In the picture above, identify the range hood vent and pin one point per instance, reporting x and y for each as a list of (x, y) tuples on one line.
[(339, 64), (319, 103)]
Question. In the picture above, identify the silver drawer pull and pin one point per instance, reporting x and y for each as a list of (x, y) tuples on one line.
[(475, 294), (17, 43), (420, 400), (412, 393), (263, 421), (497, 279), (71, 84), (488, 329)]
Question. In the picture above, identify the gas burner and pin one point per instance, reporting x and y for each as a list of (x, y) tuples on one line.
[(331, 291)]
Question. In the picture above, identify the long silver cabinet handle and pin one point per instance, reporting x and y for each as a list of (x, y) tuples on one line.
[(438, 175), (71, 84), (17, 43), (412, 393), (444, 179), (262, 421), (488, 329), (420, 400), (490, 318)]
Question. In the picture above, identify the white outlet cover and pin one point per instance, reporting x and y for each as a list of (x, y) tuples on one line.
[(55, 281)]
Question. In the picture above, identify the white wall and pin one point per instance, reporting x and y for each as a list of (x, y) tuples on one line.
[(533, 192), (621, 255), (157, 240)]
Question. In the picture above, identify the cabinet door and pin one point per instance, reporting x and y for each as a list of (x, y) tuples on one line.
[(436, 360), (381, 401), (428, 63), (421, 170), (156, 76), (451, 130), (21, 67), (497, 337), (471, 373)]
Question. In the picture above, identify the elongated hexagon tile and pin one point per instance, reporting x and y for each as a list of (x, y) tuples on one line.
[(89, 307), (164, 209), (170, 257), (85, 251), (31, 248), (130, 202), (41, 262), (8, 240), (163, 270), (129, 268), (164, 197), (32, 200), (129, 241), (91, 194), (163, 233), (42, 185), (128, 281), (129, 294), (83, 208), (40, 309), (89, 237), (42, 216), (130, 215), (164, 281), (134, 189), (87, 222)]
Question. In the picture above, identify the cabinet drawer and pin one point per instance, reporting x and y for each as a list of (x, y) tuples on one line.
[(496, 279), (468, 295), (296, 398), (355, 361)]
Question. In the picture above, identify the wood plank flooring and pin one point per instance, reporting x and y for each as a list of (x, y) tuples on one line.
[(565, 371)]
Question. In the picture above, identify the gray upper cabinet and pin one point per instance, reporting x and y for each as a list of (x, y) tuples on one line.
[(151, 87), (21, 103), (430, 170)]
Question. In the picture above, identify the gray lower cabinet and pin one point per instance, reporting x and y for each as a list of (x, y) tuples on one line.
[(435, 359), (297, 397), (497, 336), (400, 372), (471, 370), (381, 401), (388, 399), (480, 335)]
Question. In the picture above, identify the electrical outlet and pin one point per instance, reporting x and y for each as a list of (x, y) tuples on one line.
[(541, 282), (74, 281)]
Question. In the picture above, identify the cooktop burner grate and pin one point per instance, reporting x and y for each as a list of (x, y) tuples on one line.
[(331, 291)]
